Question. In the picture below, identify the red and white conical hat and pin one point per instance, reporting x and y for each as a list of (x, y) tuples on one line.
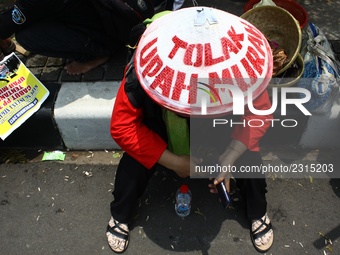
[(196, 60)]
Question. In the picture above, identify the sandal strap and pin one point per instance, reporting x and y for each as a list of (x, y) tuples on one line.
[(124, 235), (263, 222), (264, 231)]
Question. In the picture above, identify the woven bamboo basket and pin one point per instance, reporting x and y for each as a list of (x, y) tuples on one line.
[(289, 77), (280, 27)]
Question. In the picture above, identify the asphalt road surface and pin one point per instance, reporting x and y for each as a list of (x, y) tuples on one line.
[(62, 207)]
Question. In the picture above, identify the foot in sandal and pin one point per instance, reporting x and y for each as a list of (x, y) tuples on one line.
[(117, 236), (262, 234)]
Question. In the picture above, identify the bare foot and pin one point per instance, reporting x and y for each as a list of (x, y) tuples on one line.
[(76, 68), (5, 42), (7, 46)]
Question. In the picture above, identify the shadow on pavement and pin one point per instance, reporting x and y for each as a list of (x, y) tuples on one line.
[(327, 239), (157, 219)]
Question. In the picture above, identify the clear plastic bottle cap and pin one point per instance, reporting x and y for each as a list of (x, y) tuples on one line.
[(184, 189)]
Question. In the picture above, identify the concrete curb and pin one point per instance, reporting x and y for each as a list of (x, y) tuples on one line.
[(82, 113)]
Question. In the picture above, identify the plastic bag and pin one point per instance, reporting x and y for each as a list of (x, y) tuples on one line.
[(321, 71), (177, 4)]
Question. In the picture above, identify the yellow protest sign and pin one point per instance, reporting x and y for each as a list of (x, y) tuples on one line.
[(21, 94)]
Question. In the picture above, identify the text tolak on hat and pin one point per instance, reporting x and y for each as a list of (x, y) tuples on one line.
[(195, 60)]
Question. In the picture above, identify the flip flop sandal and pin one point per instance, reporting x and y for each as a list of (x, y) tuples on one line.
[(263, 247), (9, 49), (123, 234)]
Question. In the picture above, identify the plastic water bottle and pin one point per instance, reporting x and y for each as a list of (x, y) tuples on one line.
[(183, 201)]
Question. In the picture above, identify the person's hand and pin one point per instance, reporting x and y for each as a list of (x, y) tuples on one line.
[(217, 180), (185, 164), (228, 158), (222, 177)]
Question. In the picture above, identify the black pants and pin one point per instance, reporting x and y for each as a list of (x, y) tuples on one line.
[(132, 180), (67, 29), (61, 41)]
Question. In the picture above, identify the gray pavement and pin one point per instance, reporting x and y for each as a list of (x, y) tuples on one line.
[(63, 208)]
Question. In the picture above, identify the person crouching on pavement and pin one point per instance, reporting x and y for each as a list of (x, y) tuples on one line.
[(161, 78)]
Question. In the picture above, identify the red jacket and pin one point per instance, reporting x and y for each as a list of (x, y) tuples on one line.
[(144, 145)]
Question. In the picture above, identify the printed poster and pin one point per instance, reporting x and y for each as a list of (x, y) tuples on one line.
[(21, 94)]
